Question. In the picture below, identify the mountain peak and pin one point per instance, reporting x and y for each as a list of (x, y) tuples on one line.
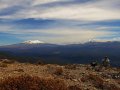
[(33, 42)]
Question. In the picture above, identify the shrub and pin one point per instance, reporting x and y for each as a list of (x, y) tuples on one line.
[(84, 79), (39, 63), (58, 71), (74, 88), (8, 61), (99, 82), (118, 81), (3, 65), (19, 70), (112, 87), (27, 82), (71, 66), (55, 69)]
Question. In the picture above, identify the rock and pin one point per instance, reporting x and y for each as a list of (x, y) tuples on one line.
[(75, 80)]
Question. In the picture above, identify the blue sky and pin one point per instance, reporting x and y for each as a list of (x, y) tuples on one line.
[(59, 21)]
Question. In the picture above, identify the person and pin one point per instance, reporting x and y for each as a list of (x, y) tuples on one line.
[(106, 62), (94, 64)]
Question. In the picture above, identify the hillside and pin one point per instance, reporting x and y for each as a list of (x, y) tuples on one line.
[(64, 54), (74, 76)]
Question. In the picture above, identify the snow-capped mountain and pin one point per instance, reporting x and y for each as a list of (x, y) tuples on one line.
[(33, 42)]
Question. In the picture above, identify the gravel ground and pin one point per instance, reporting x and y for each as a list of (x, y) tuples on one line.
[(82, 76)]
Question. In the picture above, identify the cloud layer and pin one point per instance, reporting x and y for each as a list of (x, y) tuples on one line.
[(61, 9), (59, 21)]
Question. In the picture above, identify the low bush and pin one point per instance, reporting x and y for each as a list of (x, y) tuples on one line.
[(19, 70), (58, 71), (101, 83), (71, 66), (40, 63), (8, 61), (27, 82), (55, 69), (74, 88), (3, 65), (84, 79), (98, 81)]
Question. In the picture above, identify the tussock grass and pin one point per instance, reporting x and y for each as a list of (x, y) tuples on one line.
[(58, 71), (8, 61), (27, 82), (3, 64)]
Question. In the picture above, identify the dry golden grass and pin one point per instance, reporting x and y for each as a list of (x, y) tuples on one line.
[(58, 71), (26, 82), (3, 64), (8, 61), (84, 79), (74, 88), (34, 77), (55, 69), (71, 66), (101, 83), (19, 70)]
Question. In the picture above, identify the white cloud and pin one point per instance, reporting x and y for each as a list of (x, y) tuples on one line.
[(59, 35), (98, 10), (78, 13), (10, 3), (105, 40), (66, 35), (5, 28), (91, 11), (38, 2)]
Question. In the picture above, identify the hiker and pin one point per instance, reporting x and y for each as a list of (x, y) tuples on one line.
[(94, 64), (106, 62)]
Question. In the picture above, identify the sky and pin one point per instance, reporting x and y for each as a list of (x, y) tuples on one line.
[(59, 21)]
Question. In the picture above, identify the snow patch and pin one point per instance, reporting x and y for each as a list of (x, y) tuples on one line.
[(33, 42)]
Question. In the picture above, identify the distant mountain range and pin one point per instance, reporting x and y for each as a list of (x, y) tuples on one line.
[(31, 51)]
